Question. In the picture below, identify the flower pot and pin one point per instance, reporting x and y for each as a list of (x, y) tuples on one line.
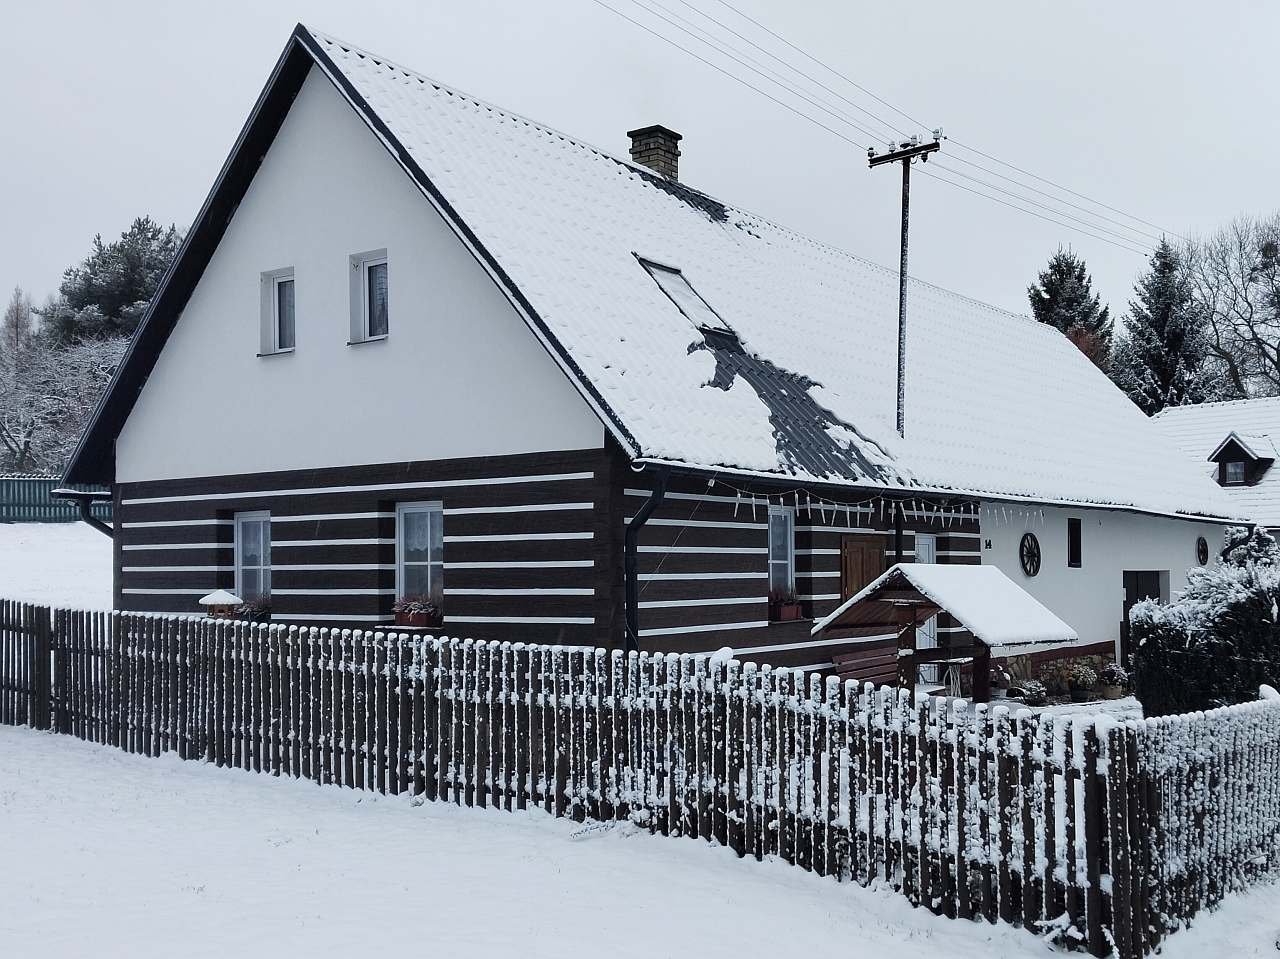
[(784, 612), (1079, 695), (420, 620), (999, 693), (1112, 692)]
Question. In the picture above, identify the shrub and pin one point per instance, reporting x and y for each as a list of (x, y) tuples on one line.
[(256, 611), (1113, 674), (1034, 692), (1082, 676), (1220, 640)]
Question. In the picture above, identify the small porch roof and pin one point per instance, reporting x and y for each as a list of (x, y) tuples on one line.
[(993, 608)]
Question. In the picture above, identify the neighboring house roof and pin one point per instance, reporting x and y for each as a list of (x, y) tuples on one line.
[(982, 599), (1201, 431), (996, 404)]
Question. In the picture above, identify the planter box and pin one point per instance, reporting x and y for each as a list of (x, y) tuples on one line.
[(1081, 695), (785, 612), (419, 620)]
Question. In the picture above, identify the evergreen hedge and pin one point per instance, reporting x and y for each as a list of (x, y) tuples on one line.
[(1220, 640)]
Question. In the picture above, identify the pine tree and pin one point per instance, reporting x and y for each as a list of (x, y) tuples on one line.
[(1063, 297), (16, 327), (1161, 360), (107, 294)]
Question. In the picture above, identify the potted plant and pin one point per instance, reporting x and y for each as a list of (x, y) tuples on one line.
[(1114, 680), (783, 606), (417, 611), (1081, 679), (1000, 681), (1033, 692), (254, 611)]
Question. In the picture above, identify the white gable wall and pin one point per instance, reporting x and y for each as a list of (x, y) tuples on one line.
[(459, 375), (1091, 598)]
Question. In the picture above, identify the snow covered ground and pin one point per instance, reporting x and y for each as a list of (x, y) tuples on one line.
[(59, 564), (107, 854)]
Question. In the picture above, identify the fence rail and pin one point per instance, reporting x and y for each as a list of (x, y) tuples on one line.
[(1113, 834), (26, 499)]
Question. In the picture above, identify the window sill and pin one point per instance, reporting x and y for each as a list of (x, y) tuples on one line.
[(371, 339), (276, 353)]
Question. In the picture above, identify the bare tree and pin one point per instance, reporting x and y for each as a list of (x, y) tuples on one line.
[(17, 326), (1235, 275), (47, 394)]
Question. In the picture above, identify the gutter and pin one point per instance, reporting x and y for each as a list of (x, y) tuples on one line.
[(84, 501), (631, 539)]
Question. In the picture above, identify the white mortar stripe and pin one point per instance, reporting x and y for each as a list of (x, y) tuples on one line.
[(821, 574), (166, 592), (321, 517), (535, 508), (177, 522), (331, 617), (959, 552), (697, 497), (841, 529), (320, 566), (516, 537), (332, 542), (703, 523), (817, 552), (150, 546), (550, 591), (811, 668), (817, 597), (725, 601), (325, 591), (175, 569), (705, 628), (371, 487), (554, 620), (527, 564), (739, 550), (657, 577), (813, 644)]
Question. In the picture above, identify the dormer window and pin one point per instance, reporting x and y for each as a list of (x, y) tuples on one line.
[(1234, 473), (686, 298)]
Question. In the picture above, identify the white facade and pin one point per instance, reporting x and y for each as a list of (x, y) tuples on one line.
[(1091, 598), (460, 373)]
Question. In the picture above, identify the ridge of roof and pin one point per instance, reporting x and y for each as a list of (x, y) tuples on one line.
[(1175, 411), (645, 171)]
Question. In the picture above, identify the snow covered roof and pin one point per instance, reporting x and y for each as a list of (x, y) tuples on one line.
[(804, 384), (982, 599), (1200, 432)]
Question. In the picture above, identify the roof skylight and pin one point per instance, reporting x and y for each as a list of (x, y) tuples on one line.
[(684, 296)]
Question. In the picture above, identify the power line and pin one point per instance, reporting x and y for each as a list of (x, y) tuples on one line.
[(759, 69), (728, 73), (853, 83), (1049, 219)]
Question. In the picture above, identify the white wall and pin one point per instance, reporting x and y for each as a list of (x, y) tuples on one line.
[(460, 374), (1091, 598)]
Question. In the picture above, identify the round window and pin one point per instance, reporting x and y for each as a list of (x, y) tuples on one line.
[(1202, 551), (1029, 554)]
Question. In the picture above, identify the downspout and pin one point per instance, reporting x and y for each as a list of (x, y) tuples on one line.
[(630, 563), (897, 531), (84, 502)]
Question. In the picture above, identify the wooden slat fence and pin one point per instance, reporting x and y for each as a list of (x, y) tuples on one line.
[(1111, 834), (26, 499)]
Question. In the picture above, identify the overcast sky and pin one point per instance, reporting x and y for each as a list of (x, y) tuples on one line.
[(1166, 110)]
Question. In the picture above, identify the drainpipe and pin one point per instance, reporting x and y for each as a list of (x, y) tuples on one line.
[(631, 539), (83, 503), (897, 531)]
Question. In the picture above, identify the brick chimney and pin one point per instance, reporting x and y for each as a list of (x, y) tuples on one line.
[(657, 148)]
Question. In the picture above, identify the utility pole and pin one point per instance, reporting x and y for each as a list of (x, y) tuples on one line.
[(904, 153)]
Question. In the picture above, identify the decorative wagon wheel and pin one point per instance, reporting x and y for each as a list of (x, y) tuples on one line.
[(1029, 554), (1202, 551)]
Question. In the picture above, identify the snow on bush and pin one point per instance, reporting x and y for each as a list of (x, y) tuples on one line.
[(1220, 640)]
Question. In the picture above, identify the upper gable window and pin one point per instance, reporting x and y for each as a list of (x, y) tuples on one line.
[(277, 320), (684, 296), (1234, 475), (370, 301)]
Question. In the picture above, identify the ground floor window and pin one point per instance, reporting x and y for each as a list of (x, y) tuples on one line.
[(420, 552), (253, 556), (782, 562)]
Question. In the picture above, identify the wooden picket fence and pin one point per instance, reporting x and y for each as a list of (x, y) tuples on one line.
[(1107, 835), (27, 499)]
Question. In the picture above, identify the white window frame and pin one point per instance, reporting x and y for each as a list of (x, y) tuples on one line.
[(427, 506), (360, 263), (238, 521), (790, 559), (269, 333), (1226, 475)]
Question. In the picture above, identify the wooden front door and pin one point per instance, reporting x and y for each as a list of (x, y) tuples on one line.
[(1139, 584), (861, 561)]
